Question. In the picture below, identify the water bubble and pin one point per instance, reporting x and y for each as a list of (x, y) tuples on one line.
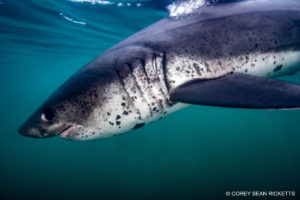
[(187, 7)]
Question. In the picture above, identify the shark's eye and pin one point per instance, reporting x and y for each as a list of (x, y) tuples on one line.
[(47, 115)]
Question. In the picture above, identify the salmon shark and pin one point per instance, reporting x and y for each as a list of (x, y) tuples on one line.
[(225, 55)]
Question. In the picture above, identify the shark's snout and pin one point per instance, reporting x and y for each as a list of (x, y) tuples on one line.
[(32, 132), (21, 131), (29, 130)]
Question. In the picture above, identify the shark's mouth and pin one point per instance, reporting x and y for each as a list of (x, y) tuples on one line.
[(66, 131)]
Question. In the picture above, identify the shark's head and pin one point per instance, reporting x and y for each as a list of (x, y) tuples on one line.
[(67, 111), (91, 104), (47, 121)]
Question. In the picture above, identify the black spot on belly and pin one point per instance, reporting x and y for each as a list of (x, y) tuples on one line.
[(125, 113), (118, 117), (118, 122), (140, 125), (197, 68), (207, 66), (111, 123), (123, 104), (278, 68)]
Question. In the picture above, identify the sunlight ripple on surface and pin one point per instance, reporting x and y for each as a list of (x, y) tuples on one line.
[(93, 1), (72, 20), (104, 2)]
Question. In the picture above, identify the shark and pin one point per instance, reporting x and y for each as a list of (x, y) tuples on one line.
[(224, 55)]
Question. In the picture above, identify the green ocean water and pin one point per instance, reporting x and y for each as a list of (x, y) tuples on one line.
[(196, 153)]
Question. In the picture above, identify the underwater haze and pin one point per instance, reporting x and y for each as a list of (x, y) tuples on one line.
[(196, 153)]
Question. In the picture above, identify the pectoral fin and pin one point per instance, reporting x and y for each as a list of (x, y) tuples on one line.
[(240, 91)]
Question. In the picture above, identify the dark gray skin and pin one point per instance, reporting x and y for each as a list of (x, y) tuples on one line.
[(131, 83)]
